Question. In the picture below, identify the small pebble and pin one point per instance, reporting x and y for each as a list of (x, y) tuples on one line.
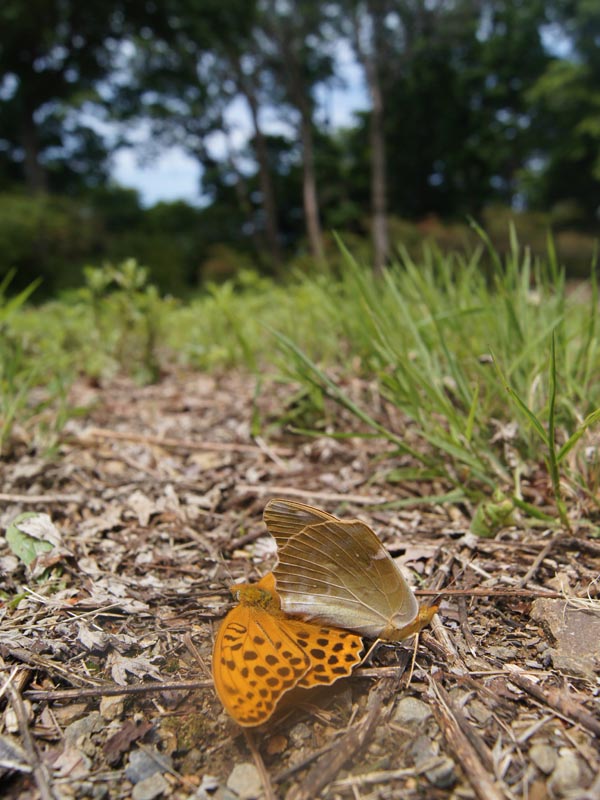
[(422, 749), (245, 781), (112, 707), (276, 745), (299, 734), (207, 789), (150, 788), (83, 727), (566, 774), (443, 775), (411, 711), (502, 652), (544, 757), (142, 765), (479, 711)]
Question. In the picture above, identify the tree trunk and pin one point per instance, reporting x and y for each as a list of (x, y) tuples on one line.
[(35, 175), (264, 178), (299, 95), (378, 186), (368, 58), (309, 188), (243, 195)]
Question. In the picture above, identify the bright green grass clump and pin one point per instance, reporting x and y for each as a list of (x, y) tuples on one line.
[(494, 366), (496, 372)]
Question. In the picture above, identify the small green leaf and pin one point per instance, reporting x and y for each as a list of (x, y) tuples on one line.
[(491, 516), (26, 547)]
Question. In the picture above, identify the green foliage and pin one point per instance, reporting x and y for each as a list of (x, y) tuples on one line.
[(113, 323), (126, 314), (44, 238), (26, 547), (492, 363), (431, 331), (17, 374)]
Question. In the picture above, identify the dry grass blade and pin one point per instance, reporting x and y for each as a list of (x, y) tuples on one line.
[(557, 699), (40, 770), (470, 757), (347, 747)]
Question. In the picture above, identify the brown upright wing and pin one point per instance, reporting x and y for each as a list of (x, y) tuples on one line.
[(336, 571)]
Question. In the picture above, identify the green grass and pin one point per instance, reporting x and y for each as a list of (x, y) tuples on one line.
[(495, 369), (463, 354)]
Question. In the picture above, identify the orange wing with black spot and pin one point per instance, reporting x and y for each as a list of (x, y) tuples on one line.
[(260, 654)]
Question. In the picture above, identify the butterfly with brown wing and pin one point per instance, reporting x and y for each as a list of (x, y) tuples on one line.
[(339, 573)]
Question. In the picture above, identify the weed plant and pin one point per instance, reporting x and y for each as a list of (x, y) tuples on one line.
[(495, 370)]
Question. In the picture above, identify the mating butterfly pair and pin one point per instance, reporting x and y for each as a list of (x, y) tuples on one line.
[(302, 624)]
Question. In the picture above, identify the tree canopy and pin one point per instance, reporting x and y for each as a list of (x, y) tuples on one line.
[(472, 102)]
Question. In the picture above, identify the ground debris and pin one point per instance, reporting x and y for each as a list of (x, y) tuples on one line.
[(155, 502)]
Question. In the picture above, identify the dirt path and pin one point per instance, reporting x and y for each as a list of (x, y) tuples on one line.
[(157, 496)]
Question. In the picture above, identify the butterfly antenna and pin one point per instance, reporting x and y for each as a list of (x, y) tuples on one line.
[(371, 650)]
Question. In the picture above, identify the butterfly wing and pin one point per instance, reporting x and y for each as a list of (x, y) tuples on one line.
[(286, 518), (255, 661), (333, 652), (337, 572)]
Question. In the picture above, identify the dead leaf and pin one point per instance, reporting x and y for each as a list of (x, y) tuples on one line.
[(142, 506), (121, 666), (119, 743)]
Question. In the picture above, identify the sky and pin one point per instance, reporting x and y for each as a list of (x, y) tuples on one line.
[(176, 176)]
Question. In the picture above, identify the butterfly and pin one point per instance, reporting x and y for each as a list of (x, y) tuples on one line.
[(339, 573), (261, 653)]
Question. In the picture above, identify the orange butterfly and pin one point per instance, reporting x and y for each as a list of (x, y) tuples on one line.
[(260, 654)]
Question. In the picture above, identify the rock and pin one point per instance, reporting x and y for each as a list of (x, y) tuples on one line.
[(111, 707), (502, 652), (299, 734), (566, 774), (207, 789), (544, 757), (150, 788), (83, 728), (245, 781), (443, 775), (411, 711), (143, 765), (479, 712), (576, 633), (422, 750)]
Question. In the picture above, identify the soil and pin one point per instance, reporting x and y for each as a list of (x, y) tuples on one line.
[(154, 499)]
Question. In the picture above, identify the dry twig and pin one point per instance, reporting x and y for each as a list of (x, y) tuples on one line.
[(555, 698), (347, 747), (471, 756), (163, 441), (114, 690), (40, 770)]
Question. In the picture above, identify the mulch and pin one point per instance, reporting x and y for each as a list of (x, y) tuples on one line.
[(156, 497)]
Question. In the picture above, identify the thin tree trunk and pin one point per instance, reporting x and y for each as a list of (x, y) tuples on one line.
[(35, 175), (298, 94), (243, 194), (368, 59), (309, 189), (378, 184), (264, 179), (247, 87), (309, 178)]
